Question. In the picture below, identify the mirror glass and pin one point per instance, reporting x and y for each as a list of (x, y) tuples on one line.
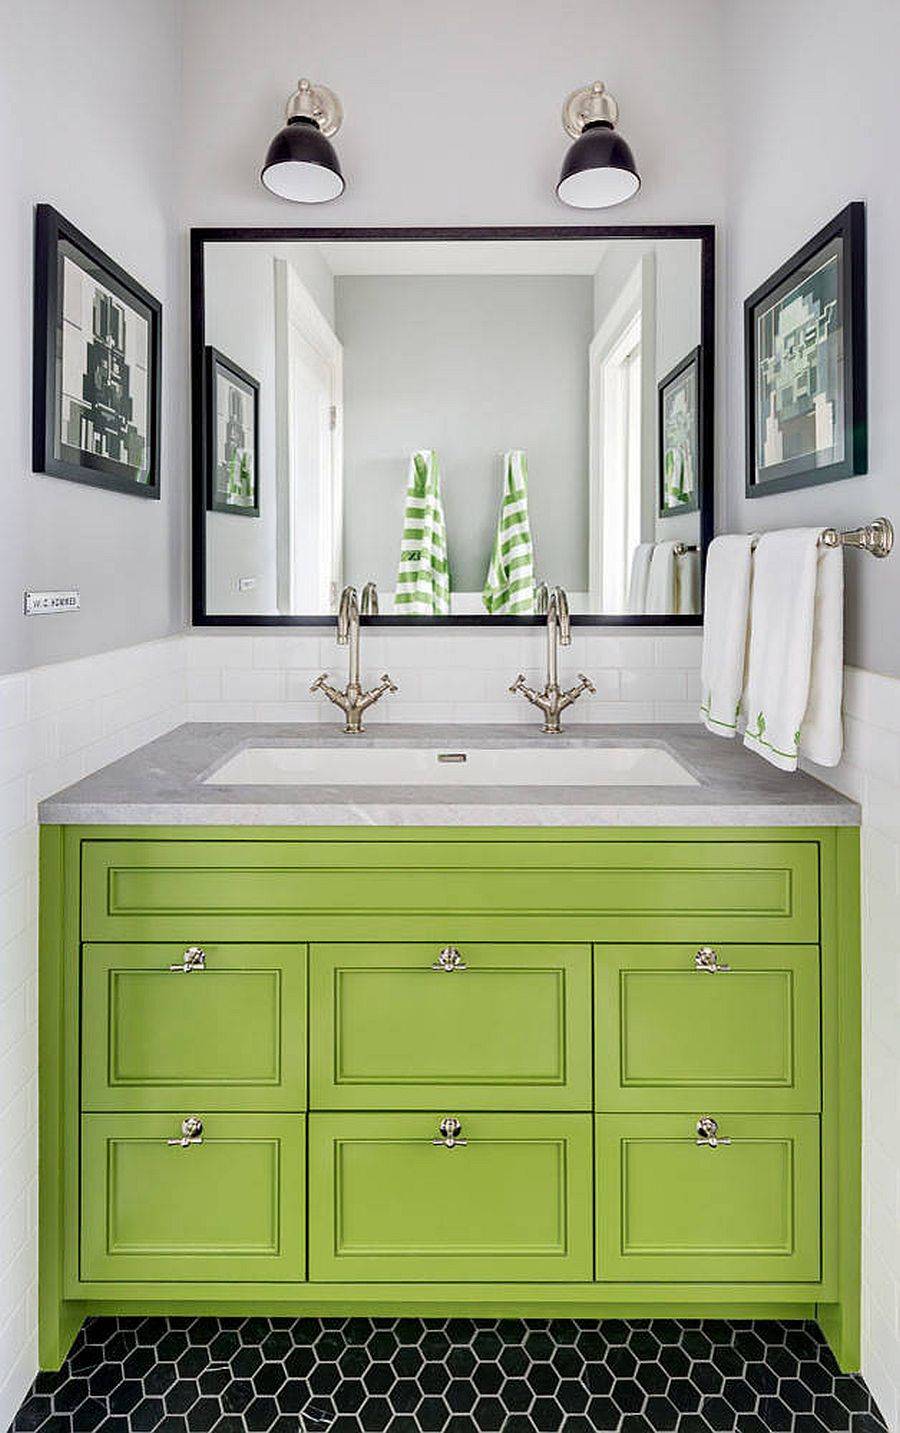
[(457, 421)]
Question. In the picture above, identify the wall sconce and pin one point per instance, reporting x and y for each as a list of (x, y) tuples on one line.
[(301, 164), (599, 169)]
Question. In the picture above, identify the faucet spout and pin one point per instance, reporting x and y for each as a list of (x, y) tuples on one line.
[(552, 700), (353, 701)]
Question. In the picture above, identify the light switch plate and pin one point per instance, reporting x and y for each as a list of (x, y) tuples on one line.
[(38, 604)]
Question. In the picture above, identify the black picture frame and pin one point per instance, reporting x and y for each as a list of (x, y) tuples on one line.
[(692, 362), (217, 364), (704, 234), (843, 238), (55, 240)]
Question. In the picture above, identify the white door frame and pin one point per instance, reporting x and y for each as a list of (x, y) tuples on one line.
[(637, 297), (295, 308)]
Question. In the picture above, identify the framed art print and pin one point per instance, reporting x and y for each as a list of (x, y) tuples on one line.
[(232, 439), (96, 402), (805, 359), (680, 428)]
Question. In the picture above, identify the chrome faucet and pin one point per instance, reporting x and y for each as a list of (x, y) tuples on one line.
[(353, 701), (551, 700)]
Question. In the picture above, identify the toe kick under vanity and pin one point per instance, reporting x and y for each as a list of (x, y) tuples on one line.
[(540, 1050)]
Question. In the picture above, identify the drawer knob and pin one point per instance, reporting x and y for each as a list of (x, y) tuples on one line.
[(708, 959), (708, 1136), (191, 1133), (449, 960), (449, 1133), (194, 958)]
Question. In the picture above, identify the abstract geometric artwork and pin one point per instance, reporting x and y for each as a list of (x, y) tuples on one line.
[(232, 437), (96, 365), (805, 336), (679, 437)]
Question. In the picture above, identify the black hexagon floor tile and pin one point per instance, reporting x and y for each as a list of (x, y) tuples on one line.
[(361, 1375)]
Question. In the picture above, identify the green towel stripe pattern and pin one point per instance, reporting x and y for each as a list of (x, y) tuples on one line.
[(509, 586), (423, 579)]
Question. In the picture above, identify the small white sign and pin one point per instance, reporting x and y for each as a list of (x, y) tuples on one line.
[(39, 603)]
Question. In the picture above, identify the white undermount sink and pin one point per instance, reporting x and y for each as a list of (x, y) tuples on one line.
[(451, 766)]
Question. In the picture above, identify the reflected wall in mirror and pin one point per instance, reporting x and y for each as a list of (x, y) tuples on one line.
[(459, 420)]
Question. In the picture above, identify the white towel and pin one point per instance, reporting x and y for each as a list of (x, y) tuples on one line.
[(661, 595), (726, 620), (795, 670), (687, 583), (637, 584)]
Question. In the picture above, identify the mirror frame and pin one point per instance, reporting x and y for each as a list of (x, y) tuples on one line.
[(200, 237)]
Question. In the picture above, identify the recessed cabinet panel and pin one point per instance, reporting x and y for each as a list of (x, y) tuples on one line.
[(736, 1028), (510, 1201), (671, 1209), (318, 890), (485, 1026), (227, 1032), (227, 1208)]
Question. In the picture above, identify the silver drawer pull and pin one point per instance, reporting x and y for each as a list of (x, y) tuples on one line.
[(708, 1136), (449, 960), (191, 1133), (194, 958), (708, 959), (450, 1130)]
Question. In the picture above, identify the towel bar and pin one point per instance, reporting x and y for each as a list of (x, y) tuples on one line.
[(875, 537), (684, 547)]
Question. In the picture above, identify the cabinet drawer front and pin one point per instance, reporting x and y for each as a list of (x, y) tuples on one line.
[(668, 1209), (511, 1030), (230, 1036), (670, 1035), (512, 1204), (230, 1208), (543, 890)]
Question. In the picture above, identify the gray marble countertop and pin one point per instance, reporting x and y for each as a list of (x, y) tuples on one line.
[(164, 784)]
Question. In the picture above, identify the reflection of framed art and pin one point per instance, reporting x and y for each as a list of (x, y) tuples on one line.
[(96, 365), (805, 361), (680, 429), (232, 439)]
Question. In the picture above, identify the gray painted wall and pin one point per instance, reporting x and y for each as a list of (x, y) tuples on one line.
[(469, 366), (90, 122), (797, 156)]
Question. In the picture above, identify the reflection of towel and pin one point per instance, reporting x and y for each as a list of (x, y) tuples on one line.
[(795, 670), (509, 585), (661, 596), (726, 617), (640, 571), (687, 583), (423, 580)]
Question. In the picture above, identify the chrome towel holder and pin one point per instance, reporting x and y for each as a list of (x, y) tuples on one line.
[(875, 537)]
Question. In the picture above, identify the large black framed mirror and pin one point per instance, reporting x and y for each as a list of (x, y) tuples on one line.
[(463, 417)]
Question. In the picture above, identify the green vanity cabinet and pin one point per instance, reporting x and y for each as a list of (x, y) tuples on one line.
[(397, 1026), (449, 1071)]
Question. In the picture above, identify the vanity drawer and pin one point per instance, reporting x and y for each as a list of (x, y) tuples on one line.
[(483, 1026), (585, 889), (228, 1033), (227, 1209), (672, 1033), (671, 1210), (387, 1204)]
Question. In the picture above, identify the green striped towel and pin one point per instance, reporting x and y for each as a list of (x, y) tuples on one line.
[(509, 586), (423, 579)]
